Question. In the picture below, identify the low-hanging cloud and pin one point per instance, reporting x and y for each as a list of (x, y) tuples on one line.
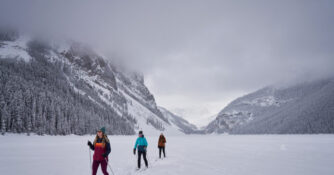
[(195, 54)]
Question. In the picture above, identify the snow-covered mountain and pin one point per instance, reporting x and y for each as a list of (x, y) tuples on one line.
[(66, 87), (303, 108), (179, 122)]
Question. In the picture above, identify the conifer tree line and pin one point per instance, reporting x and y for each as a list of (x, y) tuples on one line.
[(35, 97)]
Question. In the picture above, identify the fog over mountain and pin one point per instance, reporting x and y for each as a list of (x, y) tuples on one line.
[(196, 56), (61, 88)]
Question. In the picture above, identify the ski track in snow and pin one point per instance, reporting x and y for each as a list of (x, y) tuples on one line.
[(186, 155)]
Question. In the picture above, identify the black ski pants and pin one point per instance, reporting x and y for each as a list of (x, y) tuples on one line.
[(162, 148), (139, 158)]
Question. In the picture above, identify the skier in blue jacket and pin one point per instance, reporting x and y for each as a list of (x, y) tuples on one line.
[(141, 144)]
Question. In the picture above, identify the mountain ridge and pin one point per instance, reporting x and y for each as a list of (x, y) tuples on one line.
[(283, 110), (68, 88)]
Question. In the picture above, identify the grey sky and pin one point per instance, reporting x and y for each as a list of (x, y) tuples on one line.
[(196, 55)]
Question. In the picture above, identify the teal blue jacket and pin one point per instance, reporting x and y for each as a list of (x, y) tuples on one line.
[(141, 143)]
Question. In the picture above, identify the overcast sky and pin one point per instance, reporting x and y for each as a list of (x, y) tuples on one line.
[(197, 56)]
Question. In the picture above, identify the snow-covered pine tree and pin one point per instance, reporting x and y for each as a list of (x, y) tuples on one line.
[(4, 117)]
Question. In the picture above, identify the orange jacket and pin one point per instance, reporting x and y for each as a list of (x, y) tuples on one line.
[(162, 141)]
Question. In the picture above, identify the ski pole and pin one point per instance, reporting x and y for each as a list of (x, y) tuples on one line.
[(136, 159), (148, 159), (90, 160), (112, 172)]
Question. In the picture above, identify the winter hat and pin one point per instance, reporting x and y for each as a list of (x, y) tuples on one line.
[(103, 130)]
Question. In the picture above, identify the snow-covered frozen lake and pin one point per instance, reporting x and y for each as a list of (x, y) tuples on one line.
[(187, 155)]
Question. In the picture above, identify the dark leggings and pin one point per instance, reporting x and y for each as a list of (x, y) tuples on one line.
[(144, 156), (162, 148), (104, 165)]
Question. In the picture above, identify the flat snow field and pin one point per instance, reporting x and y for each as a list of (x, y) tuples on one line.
[(186, 155)]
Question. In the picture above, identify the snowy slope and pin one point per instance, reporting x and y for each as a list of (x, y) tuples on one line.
[(147, 121), (178, 122), (303, 108), (17, 49), (93, 83), (186, 155)]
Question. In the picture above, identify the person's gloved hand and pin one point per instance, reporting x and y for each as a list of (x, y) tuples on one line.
[(89, 144), (134, 151), (145, 147), (104, 155)]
